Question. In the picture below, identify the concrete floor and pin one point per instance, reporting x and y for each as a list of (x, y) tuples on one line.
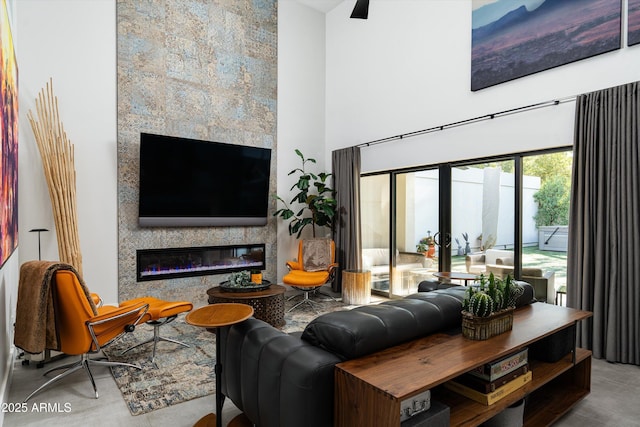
[(613, 401), (72, 404)]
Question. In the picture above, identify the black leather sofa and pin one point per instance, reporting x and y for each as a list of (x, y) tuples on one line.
[(287, 380)]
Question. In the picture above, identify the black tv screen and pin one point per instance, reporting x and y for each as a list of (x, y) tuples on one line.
[(189, 182)]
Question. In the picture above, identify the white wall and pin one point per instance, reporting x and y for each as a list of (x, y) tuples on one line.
[(407, 68), (74, 43), (301, 104)]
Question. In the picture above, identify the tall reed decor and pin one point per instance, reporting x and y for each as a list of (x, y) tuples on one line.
[(56, 152)]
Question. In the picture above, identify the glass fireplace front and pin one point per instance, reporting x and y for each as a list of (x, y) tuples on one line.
[(156, 264)]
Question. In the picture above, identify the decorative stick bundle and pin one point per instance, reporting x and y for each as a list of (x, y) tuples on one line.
[(58, 164)]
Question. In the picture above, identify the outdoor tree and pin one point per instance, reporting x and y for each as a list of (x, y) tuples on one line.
[(553, 202), (549, 165)]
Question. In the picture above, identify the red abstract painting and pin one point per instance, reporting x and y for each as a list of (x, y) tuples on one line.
[(9, 143)]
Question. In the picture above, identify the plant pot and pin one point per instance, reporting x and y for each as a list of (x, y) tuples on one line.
[(483, 328), (431, 252)]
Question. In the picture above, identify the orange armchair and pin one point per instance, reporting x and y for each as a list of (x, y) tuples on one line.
[(83, 328), (314, 267)]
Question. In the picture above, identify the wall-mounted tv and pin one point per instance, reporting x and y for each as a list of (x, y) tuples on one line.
[(188, 182)]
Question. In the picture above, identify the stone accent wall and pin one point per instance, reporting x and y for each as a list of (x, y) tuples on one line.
[(203, 69)]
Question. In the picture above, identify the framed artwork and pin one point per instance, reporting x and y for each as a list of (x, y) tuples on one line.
[(9, 143), (633, 31), (516, 38)]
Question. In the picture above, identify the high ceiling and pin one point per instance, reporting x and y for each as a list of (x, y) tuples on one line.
[(321, 5)]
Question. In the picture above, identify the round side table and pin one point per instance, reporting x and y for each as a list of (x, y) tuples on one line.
[(217, 316), (356, 287), (455, 275), (268, 304)]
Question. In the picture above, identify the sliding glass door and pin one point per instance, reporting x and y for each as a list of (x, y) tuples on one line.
[(416, 226), (506, 216), (401, 208), (482, 217), (375, 200), (545, 219)]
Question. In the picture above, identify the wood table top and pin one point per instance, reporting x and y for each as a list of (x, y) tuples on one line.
[(217, 315), (272, 290), (455, 275), (440, 357)]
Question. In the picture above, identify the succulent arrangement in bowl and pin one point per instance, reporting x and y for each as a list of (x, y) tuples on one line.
[(491, 295), (240, 278), (241, 281)]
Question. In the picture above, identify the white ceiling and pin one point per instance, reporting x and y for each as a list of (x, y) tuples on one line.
[(321, 5)]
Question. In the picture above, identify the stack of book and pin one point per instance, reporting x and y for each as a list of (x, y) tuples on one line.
[(495, 380)]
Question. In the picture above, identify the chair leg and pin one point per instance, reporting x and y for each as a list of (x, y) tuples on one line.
[(70, 368), (156, 337), (109, 364), (65, 366), (88, 371), (319, 292), (305, 300)]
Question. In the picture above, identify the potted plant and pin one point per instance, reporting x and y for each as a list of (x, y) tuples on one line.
[(427, 245), (487, 309), (316, 197), (244, 281)]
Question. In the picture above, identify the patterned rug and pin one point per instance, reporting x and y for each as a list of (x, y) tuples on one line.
[(182, 373)]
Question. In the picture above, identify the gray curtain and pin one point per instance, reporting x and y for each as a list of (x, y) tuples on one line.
[(347, 230), (603, 268)]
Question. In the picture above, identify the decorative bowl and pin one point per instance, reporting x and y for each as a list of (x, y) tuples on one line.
[(251, 287)]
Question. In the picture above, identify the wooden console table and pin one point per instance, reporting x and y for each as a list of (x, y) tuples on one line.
[(369, 390), (268, 304)]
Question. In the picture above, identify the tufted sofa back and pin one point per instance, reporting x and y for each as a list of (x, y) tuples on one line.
[(367, 329), (287, 380)]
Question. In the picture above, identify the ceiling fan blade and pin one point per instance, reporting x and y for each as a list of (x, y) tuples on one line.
[(361, 11)]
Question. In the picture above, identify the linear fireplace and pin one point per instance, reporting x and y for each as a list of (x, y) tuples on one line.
[(156, 264)]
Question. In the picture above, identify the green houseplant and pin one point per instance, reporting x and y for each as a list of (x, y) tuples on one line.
[(427, 245), (318, 205), (487, 309)]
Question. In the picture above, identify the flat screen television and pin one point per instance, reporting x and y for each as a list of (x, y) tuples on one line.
[(188, 182)]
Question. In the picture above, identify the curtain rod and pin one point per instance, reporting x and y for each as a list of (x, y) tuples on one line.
[(469, 121)]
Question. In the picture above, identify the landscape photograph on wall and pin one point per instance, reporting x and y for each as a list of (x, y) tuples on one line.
[(9, 143), (633, 31), (515, 38)]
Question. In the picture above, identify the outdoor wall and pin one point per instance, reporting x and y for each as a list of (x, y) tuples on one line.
[(418, 209), (374, 200), (407, 68), (203, 70)]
